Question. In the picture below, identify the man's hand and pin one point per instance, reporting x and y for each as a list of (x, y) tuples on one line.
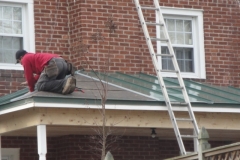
[(24, 83)]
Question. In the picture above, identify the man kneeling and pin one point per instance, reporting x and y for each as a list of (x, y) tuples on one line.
[(47, 72)]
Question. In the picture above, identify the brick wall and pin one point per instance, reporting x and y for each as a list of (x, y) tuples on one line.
[(51, 27), (67, 27), (75, 147), (10, 81), (128, 50)]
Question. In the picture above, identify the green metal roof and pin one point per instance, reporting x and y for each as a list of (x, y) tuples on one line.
[(139, 85), (148, 85)]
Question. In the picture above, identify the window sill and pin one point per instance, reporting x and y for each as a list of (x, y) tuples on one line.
[(11, 66)]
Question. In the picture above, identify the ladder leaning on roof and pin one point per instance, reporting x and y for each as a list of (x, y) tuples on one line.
[(159, 71)]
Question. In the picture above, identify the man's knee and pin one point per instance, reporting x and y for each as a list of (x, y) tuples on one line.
[(40, 86)]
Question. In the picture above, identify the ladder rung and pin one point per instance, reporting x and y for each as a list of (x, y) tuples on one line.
[(179, 103), (159, 39), (189, 136), (175, 87), (154, 24), (149, 8), (183, 119), (172, 71), (165, 55)]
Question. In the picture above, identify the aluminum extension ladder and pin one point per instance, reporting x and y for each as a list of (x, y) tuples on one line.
[(176, 70)]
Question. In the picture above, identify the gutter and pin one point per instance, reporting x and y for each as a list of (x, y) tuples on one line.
[(34, 103)]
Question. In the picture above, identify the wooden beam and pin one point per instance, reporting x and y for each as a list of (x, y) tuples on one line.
[(117, 118)]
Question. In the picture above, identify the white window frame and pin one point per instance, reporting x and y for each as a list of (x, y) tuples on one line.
[(198, 40), (10, 154), (27, 29)]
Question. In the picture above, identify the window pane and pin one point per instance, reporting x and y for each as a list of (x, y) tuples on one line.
[(1, 26), (189, 53), (17, 27), (179, 25), (17, 13), (9, 56), (8, 48), (188, 38), (180, 31), (7, 43), (189, 66), (181, 65), (172, 37), (11, 20), (184, 58), (171, 25), (7, 13), (17, 43), (187, 26), (179, 53), (7, 27), (180, 38)]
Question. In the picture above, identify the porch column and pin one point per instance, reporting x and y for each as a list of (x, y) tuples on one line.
[(42, 141)]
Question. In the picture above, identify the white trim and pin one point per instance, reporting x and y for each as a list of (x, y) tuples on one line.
[(14, 109), (28, 31), (42, 141), (202, 108), (199, 58), (140, 107), (18, 1), (11, 66)]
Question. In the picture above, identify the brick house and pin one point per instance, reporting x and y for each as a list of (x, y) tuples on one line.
[(205, 35)]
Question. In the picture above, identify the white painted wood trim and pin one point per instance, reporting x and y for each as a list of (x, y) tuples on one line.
[(28, 30), (216, 109), (199, 59), (18, 1), (42, 141)]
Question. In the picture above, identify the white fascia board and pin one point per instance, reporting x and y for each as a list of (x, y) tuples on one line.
[(122, 107), (18, 1), (140, 107), (14, 109)]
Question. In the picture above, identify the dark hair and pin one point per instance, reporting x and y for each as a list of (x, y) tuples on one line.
[(19, 54)]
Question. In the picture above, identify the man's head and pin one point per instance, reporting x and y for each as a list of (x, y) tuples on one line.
[(20, 54)]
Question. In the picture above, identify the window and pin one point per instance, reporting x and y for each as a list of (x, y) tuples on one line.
[(16, 30), (185, 29), (10, 153)]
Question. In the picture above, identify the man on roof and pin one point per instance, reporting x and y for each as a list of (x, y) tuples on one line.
[(47, 72)]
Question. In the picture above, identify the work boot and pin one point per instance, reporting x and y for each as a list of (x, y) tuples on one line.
[(69, 85), (71, 69)]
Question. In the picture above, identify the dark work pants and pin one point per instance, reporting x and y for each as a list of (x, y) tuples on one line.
[(53, 79)]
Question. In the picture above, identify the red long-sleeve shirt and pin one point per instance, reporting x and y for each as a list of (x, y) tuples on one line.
[(34, 64)]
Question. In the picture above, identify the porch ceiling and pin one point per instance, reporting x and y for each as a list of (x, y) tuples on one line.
[(66, 121), (162, 133)]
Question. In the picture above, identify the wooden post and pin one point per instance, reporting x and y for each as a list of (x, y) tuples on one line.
[(109, 156), (203, 143), (42, 141)]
